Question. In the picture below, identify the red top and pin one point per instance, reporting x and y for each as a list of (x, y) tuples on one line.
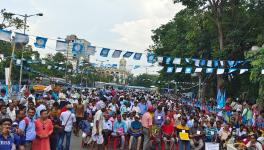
[(167, 128)]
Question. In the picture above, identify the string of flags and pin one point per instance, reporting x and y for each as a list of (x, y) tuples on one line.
[(79, 48), (200, 62), (218, 71)]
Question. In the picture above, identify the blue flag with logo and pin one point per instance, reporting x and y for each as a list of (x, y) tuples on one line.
[(77, 47), (216, 63), (137, 56), (151, 58), (209, 70), (40, 42), (168, 60), (116, 53), (169, 69), (104, 52), (188, 70), (127, 54)]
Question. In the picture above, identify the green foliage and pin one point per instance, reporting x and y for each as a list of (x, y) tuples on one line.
[(194, 33), (257, 62), (145, 80), (8, 20)]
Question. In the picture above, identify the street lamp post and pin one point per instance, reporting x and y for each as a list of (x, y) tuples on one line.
[(22, 56)]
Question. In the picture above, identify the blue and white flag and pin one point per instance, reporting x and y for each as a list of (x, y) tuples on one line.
[(151, 58), (198, 70), (222, 63), (178, 69), (220, 71), (188, 70), (231, 63), (21, 38), (77, 48), (231, 70), (177, 61), (137, 56), (202, 62), (209, 70), (169, 69), (116, 54), (168, 60), (90, 50), (216, 63), (114, 65), (40, 42), (243, 71), (5, 35), (196, 62), (61, 45), (136, 66), (128, 54), (209, 63), (187, 60), (104, 52)]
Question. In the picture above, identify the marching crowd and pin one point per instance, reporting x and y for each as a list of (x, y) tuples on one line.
[(126, 119)]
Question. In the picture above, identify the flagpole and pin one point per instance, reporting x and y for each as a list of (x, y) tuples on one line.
[(10, 66), (22, 56)]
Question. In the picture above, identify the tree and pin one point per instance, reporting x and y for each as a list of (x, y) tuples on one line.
[(212, 29), (257, 63), (145, 80), (8, 20)]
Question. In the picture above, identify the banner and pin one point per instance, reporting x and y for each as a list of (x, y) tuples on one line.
[(5, 35), (128, 54), (178, 70), (7, 72), (77, 48), (21, 38), (116, 54), (220, 71), (90, 50), (209, 63), (40, 42), (243, 71), (168, 60), (137, 56), (198, 70), (188, 70), (61, 46), (209, 70), (104, 52), (231, 70), (151, 58), (177, 61), (169, 69)]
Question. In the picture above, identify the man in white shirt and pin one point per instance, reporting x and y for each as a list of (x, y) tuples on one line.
[(68, 120), (11, 111), (97, 135), (107, 129)]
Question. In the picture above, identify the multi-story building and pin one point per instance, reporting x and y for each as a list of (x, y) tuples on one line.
[(74, 59)]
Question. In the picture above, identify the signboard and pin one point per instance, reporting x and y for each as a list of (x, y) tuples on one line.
[(211, 146), (39, 87)]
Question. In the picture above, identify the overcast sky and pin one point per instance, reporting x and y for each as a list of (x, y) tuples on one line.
[(115, 24)]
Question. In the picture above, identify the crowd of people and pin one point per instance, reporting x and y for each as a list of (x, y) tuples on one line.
[(126, 119)]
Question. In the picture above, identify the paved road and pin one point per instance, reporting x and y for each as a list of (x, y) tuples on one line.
[(75, 143)]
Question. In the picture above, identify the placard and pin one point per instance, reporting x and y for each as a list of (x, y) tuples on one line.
[(211, 146)]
